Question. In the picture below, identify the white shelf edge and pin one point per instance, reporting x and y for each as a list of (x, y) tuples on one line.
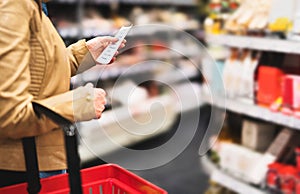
[(141, 2), (75, 32), (254, 111), (234, 184), (255, 43), (99, 73)]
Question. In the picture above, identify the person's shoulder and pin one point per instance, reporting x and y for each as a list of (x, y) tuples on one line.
[(17, 6)]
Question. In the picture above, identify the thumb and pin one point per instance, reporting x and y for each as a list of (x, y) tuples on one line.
[(89, 85), (90, 90)]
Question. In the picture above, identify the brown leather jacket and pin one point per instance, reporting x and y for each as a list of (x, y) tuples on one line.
[(35, 65)]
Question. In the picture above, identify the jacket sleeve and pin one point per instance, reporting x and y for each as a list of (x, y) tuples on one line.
[(76, 53), (17, 118)]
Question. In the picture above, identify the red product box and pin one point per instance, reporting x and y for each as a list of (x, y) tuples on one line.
[(297, 152), (288, 179), (269, 85), (291, 94), (272, 178), (297, 190), (287, 91)]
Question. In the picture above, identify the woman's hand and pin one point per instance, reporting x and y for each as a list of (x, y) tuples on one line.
[(98, 44), (99, 101)]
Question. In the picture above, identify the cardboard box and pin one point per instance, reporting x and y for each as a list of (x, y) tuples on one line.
[(257, 135), (284, 145), (244, 163)]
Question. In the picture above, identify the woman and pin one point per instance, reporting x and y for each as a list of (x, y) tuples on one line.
[(36, 66)]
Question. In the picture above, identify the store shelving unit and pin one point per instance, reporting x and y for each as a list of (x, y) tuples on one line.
[(159, 2), (147, 2), (255, 43), (77, 31), (239, 106), (262, 44), (149, 67), (254, 111)]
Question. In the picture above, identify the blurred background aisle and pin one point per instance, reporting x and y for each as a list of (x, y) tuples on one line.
[(231, 64)]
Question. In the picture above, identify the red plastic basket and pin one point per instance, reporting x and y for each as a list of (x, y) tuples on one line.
[(104, 179)]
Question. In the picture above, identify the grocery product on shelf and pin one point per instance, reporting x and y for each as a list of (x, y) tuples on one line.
[(274, 18), (297, 152), (269, 85), (243, 163), (251, 15), (219, 10), (177, 19), (257, 135), (291, 95), (229, 72), (283, 146), (295, 34), (272, 177), (247, 86), (239, 74), (284, 178), (281, 16)]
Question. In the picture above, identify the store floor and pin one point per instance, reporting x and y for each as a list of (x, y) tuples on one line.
[(184, 174)]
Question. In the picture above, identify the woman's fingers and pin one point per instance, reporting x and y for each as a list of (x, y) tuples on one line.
[(98, 44), (110, 39), (122, 45), (99, 101)]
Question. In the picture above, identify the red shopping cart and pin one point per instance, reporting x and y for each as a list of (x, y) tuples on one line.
[(103, 179)]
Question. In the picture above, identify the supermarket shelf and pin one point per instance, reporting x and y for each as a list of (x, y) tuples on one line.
[(178, 75), (234, 184), (165, 2), (77, 32), (64, 1), (254, 111), (256, 43), (170, 54), (149, 67), (98, 72), (226, 180), (140, 2)]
